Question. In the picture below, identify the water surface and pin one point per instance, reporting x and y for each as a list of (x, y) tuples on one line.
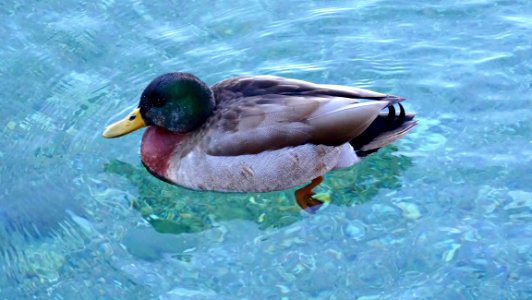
[(445, 213)]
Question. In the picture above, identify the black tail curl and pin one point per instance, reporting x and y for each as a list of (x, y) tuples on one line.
[(385, 129)]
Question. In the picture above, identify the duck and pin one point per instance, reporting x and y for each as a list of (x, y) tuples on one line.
[(259, 133)]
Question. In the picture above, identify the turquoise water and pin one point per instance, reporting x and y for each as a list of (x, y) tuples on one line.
[(443, 214)]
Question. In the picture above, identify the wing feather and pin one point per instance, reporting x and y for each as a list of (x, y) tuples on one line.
[(261, 113), (266, 84)]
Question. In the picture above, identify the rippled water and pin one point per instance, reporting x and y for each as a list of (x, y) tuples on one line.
[(445, 213)]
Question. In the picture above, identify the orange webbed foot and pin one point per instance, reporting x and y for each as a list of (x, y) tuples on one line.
[(304, 196)]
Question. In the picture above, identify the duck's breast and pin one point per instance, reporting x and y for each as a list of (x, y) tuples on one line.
[(157, 147)]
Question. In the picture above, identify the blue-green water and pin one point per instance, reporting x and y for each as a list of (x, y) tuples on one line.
[(443, 214)]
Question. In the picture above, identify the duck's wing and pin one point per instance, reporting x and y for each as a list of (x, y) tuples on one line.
[(248, 86), (266, 113)]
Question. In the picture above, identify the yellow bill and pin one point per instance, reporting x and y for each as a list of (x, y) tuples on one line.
[(132, 122)]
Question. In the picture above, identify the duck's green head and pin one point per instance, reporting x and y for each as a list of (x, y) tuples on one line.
[(179, 102)]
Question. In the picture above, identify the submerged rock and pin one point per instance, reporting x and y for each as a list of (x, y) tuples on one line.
[(410, 210), (183, 293), (148, 244)]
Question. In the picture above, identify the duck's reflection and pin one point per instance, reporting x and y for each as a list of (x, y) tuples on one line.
[(171, 209)]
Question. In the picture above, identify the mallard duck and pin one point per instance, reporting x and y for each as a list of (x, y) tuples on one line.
[(258, 133)]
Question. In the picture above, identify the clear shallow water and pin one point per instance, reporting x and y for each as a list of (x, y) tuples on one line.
[(445, 213)]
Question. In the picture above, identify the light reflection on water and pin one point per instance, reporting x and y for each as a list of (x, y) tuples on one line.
[(444, 213)]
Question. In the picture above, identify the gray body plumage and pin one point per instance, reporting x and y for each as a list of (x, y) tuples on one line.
[(271, 133)]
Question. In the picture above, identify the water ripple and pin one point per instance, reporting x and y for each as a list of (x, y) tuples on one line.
[(448, 212)]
